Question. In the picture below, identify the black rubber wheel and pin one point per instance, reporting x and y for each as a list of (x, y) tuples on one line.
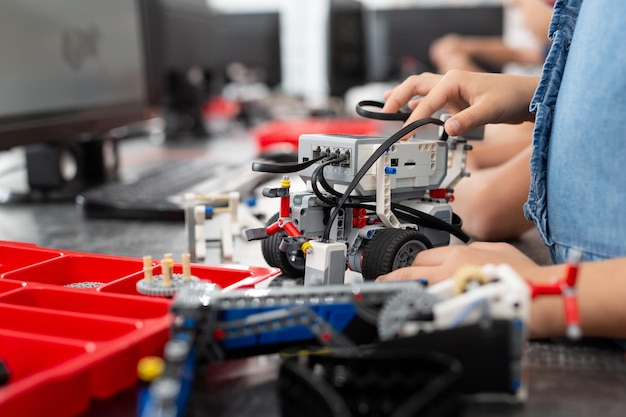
[(292, 264), (266, 245), (391, 249)]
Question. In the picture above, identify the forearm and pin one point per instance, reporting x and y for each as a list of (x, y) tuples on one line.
[(491, 51), (601, 290), (500, 143), (490, 201), (536, 17)]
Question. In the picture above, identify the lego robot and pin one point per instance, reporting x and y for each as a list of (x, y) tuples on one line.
[(371, 203), (363, 344)]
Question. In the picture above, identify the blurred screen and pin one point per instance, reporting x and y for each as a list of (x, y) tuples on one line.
[(60, 55)]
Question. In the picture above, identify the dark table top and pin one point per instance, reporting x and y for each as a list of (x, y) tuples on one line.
[(563, 379)]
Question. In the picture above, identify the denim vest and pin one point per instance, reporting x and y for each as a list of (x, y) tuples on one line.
[(577, 193)]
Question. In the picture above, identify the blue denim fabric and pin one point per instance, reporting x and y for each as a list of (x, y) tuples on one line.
[(578, 180)]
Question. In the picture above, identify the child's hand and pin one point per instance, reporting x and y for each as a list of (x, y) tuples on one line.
[(475, 98), (443, 262)]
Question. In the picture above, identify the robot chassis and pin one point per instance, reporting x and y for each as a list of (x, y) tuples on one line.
[(398, 348), (371, 203)]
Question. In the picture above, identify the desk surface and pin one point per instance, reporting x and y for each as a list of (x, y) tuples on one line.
[(562, 380)]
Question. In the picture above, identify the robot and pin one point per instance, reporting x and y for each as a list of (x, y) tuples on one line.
[(371, 203), (382, 346)]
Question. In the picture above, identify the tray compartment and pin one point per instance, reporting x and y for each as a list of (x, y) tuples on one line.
[(48, 323), (6, 286), (40, 381), (73, 270), (87, 303), (16, 257)]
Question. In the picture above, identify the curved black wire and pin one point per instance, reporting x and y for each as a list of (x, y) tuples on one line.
[(428, 220), (419, 218), (399, 115), (372, 159), (327, 187), (284, 168), (317, 175)]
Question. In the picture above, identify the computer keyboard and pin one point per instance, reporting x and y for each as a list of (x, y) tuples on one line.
[(159, 193)]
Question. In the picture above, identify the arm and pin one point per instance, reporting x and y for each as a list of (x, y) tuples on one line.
[(475, 98), (490, 201), (601, 287), (453, 51), (536, 15)]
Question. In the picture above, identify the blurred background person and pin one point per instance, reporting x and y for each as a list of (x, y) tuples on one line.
[(521, 48)]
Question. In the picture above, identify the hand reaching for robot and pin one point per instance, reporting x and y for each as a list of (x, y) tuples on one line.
[(474, 98), (434, 265), (440, 263)]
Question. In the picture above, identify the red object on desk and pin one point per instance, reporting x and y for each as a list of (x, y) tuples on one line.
[(286, 132), (65, 346)]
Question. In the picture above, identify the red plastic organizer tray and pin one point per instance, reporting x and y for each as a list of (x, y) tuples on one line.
[(281, 133), (64, 346)]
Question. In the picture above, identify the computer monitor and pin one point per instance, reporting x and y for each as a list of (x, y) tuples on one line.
[(70, 69), (179, 45), (346, 46), (252, 39), (194, 45), (393, 35), (186, 39)]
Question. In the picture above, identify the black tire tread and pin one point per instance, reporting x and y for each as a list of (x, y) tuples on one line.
[(382, 250)]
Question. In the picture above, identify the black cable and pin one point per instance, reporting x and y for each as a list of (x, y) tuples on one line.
[(420, 218), (428, 220), (399, 115), (329, 189), (284, 168), (373, 158), (317, 172), (318, 176), (324, 183)]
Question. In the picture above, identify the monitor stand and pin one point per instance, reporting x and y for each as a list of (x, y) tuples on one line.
[(60, 171)]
